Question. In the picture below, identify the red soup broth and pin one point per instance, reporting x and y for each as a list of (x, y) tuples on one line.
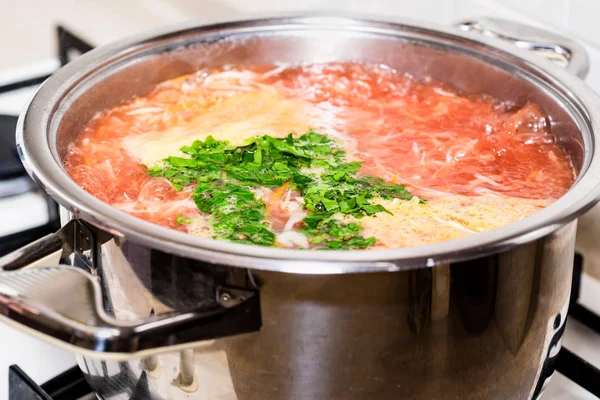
[(439, 143)]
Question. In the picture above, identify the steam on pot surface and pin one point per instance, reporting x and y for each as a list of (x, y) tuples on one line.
[(321, 156)]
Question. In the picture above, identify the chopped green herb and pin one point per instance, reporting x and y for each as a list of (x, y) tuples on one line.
[(312, 164), (182, 219), (236, 214)]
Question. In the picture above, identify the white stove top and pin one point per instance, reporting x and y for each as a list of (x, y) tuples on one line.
[(42, 361), (11, 103), (38, 359)]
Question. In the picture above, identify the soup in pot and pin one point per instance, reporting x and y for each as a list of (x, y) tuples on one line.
[(320, 156)]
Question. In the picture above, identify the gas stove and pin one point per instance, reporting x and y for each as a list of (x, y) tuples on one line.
[(28, 214)]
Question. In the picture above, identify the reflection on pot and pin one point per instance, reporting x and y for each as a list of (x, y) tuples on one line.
[(483, 329)]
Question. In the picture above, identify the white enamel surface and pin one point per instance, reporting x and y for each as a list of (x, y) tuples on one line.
[(41, 361)]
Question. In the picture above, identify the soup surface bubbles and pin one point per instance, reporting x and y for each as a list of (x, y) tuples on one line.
[(320, 156)]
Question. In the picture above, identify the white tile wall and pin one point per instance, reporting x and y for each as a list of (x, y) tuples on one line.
[(27, 36), (548, 11), (583, 20), (574, 21), (424, 10)]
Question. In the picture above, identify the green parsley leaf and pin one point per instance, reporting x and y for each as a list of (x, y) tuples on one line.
[(224, 174), (182, 219)]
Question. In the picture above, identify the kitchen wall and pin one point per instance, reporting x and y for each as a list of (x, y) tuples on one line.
[(574, 18), (28, 34)]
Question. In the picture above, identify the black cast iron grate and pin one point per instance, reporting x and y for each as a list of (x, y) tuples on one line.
[(569, 364), (69, 385)]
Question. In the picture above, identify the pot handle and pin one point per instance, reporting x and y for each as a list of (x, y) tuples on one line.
[(551, 46), (64, 305)]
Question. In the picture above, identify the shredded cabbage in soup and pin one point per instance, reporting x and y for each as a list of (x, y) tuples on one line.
[(322, 156)]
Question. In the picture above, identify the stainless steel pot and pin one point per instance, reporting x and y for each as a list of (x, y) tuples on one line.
[(155, 313)]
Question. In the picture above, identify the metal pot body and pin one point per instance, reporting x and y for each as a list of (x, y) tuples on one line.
[(488, 328)]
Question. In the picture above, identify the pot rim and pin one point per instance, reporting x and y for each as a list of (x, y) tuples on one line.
[(38, 120)]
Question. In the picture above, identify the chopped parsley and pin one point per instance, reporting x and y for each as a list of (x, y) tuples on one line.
[(312, 164), (182, 219), (235, 212)]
